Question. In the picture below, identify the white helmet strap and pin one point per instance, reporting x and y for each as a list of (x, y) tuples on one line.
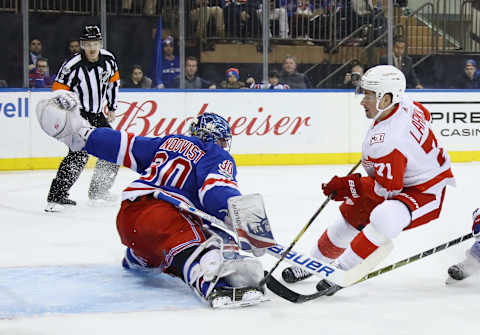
[(381, 110)]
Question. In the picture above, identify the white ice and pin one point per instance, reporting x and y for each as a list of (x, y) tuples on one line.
[(411, 300)]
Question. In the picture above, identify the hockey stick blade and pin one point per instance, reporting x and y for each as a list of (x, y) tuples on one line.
[(284, 292)]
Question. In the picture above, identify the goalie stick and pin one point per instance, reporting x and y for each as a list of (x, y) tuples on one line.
[(281, 290)]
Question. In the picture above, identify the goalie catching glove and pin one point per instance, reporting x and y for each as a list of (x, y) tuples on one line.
[(59, 117), (338, 188)]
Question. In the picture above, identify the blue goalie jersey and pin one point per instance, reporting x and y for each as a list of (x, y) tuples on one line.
[(201, 174)]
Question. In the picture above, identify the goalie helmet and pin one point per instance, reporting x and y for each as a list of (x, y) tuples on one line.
[(210, 127), (384, 79)]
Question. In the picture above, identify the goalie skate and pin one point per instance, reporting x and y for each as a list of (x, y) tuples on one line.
[(228, 297)]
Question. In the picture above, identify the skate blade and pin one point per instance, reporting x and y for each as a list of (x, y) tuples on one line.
[(54, 208), (224, 302)]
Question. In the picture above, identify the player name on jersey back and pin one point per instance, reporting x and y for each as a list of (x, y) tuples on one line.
[(184, 147)]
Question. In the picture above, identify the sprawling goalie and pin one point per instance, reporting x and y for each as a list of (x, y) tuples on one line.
[(196, 170)]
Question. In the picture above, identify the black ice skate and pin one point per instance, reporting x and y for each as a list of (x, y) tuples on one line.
[(327, 287), (457, 272), (295, 274), (58, 204)]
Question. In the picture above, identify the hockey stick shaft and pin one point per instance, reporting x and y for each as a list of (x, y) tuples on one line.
[(416, 257), (300, 234), (292, 296)]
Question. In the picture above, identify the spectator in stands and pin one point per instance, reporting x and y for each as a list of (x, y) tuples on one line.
[(203, 13), (301, 20), (3, 84), (137, 79), (291, 77), (241, 19), (35, 52), (368, 12), (470, 78), (171, 64), (352, 78), (232, 79), (73, 47), (150, 7), (192, 80), (39, 76), (403, 63), (273, 83), (278, 11)]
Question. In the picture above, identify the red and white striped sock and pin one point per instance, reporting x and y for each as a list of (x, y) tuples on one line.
[(334, 240), (362, 246)]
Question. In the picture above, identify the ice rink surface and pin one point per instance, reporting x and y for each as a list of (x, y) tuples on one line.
[(60, 273)]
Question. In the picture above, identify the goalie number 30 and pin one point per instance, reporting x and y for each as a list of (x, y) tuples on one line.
[(165, 172)]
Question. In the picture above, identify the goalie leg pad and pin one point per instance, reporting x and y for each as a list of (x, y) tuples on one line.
[(211, 276)]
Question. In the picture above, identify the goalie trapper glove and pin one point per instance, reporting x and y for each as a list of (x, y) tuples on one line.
[(67, 100), (338, 188), (67, 126)]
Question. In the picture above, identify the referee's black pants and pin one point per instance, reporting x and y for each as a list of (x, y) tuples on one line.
[(73, 164)]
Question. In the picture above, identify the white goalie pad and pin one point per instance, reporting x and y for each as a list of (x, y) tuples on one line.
[(61, 123), (249, 219)]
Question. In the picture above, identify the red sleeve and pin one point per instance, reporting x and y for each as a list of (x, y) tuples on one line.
[(388, 178)]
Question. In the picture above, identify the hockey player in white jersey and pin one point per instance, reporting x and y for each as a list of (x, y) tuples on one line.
[(471, 263), (197, 171), (407, 173)]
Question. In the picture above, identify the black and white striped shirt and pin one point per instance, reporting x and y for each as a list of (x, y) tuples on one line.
[(91, 81)]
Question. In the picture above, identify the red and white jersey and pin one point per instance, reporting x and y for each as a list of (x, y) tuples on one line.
[(401, 151)]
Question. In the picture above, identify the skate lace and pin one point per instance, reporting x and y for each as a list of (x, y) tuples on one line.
[(300, 273)]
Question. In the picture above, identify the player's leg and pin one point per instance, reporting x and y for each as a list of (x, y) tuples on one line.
[(156, 231), (105, 172), (103, 178), (387, 220), (353, 216), (67, 174), (161, 237)]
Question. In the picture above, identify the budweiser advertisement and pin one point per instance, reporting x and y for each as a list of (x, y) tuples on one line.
[(326, 124), (260, 122)]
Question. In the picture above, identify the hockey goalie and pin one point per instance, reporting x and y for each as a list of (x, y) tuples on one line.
[(197, 170)]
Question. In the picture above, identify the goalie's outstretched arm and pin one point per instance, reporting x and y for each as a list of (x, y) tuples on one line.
[(122, 148), (63, 122)]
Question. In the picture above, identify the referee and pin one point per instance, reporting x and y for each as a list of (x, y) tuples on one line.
[(93, 75)]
